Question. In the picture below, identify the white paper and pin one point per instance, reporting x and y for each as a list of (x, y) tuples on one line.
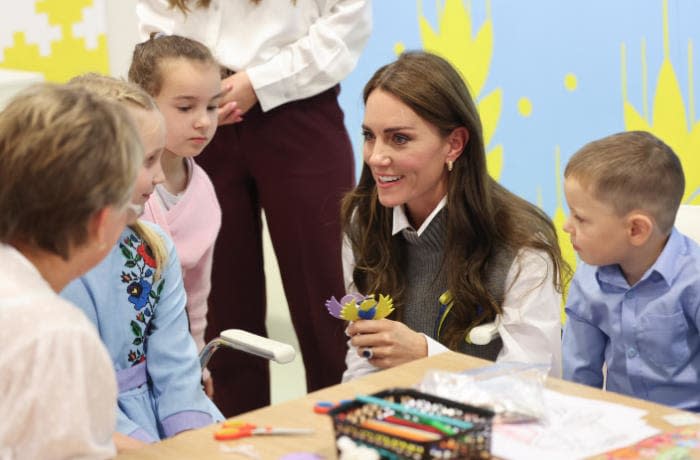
[(682, 419), (576, 428)]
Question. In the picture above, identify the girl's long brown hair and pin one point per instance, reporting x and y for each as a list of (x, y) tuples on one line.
[(482, 216)]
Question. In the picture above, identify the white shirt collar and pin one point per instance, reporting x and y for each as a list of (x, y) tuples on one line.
[(400, 219)]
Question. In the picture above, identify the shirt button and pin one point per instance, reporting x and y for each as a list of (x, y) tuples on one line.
[(629, 294), (632, 352)]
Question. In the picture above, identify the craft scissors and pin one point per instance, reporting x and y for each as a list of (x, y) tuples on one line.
[(230, 430)]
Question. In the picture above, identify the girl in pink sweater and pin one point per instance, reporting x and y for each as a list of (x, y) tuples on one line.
[(184, 79)]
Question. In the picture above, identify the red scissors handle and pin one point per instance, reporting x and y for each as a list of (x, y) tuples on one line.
[(236, 430)]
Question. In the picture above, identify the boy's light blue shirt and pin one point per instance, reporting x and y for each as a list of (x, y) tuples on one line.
[(647, 334)]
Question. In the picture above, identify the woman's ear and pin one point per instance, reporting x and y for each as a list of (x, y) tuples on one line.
[(98, 227), (457, 141), (639, 227)]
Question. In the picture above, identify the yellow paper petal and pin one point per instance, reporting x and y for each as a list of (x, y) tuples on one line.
[(384, 307), (349, 312)]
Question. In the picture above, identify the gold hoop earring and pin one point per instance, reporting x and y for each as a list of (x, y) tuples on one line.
[(450, 165)]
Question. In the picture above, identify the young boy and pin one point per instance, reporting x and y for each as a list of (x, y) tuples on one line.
[(634, 303)]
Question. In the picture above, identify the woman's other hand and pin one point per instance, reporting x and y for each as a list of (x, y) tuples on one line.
[(237, 90)]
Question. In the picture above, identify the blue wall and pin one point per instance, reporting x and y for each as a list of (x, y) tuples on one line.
[(535, 46)]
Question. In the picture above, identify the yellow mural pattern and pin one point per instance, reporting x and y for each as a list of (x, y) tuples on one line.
[(669, 119), (69, 56), (471, 54)]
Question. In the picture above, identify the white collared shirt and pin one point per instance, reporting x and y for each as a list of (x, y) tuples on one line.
[(290, 50), (400, 219)]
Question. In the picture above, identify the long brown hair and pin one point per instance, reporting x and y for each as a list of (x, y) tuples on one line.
[(482, 216)]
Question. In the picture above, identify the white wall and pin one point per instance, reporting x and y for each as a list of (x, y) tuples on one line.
[(122, 34)]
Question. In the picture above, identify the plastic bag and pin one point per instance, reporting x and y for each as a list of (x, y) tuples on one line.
[(514, 391)]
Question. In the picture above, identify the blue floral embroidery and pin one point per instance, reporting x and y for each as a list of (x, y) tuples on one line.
[(143, 292), (139, 293)]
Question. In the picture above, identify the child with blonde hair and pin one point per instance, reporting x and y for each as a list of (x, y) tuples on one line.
[(634, 302), (136, 299), (184, 80)]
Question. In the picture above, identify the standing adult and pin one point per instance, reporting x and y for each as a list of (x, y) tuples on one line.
[(290, 155), (68, 163)]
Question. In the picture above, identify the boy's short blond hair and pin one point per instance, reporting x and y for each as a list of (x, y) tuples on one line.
[(64, 155), (632, 170)]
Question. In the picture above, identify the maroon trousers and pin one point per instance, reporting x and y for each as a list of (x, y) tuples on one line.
[(295, 162)]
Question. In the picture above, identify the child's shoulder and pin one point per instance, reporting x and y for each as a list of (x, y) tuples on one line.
[(688, 221), (153, 226), (687, 248), (201, 181), (150, 234)]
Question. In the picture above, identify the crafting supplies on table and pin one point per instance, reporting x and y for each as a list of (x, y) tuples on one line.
[(407, 424)]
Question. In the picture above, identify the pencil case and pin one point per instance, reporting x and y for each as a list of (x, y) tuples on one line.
[(403, 423)]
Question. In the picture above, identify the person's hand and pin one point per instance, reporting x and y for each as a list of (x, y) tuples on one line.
[(208, 386), (123, 442), (391, 342), (236, 89), (229, 113)]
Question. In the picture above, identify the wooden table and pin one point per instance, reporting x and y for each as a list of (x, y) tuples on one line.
[(299, 413)]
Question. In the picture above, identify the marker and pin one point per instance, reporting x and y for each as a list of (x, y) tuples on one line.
[(421, 426), (412, 434), (428, 419)]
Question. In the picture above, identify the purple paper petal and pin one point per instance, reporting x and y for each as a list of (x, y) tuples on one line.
[(353, 297), (334, 307)]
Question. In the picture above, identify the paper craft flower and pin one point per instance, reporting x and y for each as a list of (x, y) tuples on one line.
[(357, 306)]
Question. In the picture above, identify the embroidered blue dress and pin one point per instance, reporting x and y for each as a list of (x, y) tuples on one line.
[(143, 324)]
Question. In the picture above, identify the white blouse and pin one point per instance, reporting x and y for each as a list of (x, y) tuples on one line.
[(290, 50), (530, 325), (56, 379)]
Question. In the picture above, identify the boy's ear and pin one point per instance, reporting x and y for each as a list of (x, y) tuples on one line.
[(639, 227)]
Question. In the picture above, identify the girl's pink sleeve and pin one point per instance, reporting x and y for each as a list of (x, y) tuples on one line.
[(198, 285)]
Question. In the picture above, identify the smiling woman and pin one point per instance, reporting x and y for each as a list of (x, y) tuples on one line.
[(406, 143), (427, 225)]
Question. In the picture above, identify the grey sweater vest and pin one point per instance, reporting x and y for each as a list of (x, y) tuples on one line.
[(426, 281)]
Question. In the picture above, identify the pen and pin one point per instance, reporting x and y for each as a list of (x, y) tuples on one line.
[(428, 419)]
